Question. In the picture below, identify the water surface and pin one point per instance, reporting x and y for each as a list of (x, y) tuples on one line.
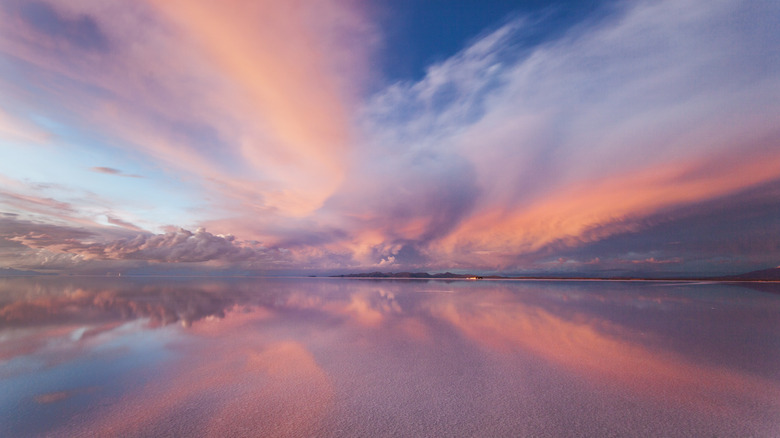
[(356, 357)]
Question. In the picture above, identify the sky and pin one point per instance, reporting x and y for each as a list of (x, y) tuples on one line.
[(337, 136)]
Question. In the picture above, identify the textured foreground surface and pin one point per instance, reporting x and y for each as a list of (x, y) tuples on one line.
[(328, 357)]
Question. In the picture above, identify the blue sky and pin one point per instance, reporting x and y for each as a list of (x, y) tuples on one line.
[(418, 34)]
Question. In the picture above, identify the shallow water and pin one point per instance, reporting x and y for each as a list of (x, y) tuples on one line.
[(357, 357)]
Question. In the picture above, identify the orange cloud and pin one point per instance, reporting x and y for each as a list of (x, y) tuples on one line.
[(272, 84), (593, 210), (282, 59)]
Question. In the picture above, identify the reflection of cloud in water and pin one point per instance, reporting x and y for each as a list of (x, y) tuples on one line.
[(310, 357), (58, 396), (161, 305), (288, 381), (584, 347), (370, 309), (245, 384), (52, 397), (181, 302)]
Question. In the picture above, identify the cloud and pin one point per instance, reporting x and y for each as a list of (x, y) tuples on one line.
[(733, 234), (172, 247), (100, 249), (48, 206), (43, 203), (658, 106), (119, 222), (249, 103), (13, 227), (112, 171), (17, 129), (108, 170), (81, 31), (506, 156)]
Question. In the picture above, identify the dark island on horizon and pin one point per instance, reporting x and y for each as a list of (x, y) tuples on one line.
[(764, 275)]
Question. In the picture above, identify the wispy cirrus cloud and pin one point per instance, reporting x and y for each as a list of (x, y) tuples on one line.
[(124, 224), (258, 114)]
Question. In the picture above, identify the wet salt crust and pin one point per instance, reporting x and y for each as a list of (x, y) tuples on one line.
[(326, 357)]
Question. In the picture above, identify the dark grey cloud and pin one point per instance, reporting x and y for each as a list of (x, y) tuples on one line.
[(81, 31), (730, 234)]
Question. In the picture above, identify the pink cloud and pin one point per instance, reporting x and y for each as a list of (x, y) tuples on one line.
[(276, 98)]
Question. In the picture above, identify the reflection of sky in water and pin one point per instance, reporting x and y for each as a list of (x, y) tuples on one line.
[(327, 357), (64, 376)]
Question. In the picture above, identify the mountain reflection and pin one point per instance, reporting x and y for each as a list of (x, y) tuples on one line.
[(314, 356)]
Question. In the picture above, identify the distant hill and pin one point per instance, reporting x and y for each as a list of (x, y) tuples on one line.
[(772, 274), (406, 275), (10, 272)]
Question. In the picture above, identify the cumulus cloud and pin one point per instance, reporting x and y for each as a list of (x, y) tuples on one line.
[(55, 246), (172, 247)]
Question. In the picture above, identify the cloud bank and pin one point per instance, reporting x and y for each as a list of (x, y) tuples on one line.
[(59, 247)]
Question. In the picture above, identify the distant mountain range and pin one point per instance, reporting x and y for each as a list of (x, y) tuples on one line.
[(407, 275), (10, 272), (772, 274)]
